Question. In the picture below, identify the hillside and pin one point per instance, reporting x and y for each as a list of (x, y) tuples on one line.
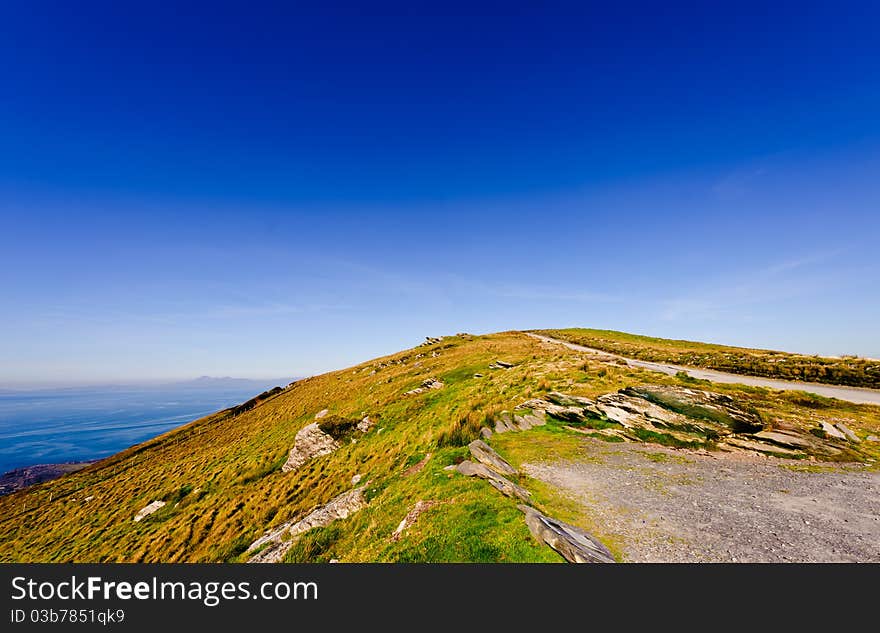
[(371, 463), (845, 370)]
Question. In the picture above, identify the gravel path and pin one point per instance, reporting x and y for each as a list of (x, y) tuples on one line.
[(664, 505), (850, 394)]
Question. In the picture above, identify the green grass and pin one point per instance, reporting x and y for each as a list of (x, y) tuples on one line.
[(850, 370), (221, 475)]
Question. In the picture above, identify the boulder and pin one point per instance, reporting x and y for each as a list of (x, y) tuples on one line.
[(485, 432), (573, 544), (484, 454), (505, 486), (310, 442), (320, 414), (365, 425)]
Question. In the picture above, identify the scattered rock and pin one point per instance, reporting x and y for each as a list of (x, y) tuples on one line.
[(411, 517), (872, 438), (484, 454), (149, 509), (310, 442), (365, 425), (478, 375), (89, 498), (276, 542), (320, 414), (831, 431), (573, 544), (485, 432), (356, 479), (505, 486), (427, 384), (504, 423), (450, 467), (852, 437), (500, 364), (412, 470)]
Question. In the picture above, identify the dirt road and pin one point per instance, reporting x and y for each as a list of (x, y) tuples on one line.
[(850, 394), (662, 505)]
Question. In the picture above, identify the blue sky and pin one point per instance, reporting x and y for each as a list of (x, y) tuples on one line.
[(259, 191)]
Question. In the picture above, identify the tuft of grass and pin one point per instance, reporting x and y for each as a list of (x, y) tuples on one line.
[(315, 545)]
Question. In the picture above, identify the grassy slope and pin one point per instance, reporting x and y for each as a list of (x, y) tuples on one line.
[(221, 475), (852, 371)]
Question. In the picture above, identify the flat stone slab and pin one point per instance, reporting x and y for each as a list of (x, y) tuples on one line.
[(573, 543), (276, 542), (831, 431), (484, 454), (504, 486), (149, 509)]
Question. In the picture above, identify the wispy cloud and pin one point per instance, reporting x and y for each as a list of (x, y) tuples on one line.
[(779, 281)]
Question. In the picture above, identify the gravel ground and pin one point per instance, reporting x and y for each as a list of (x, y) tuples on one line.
[(665, 505)]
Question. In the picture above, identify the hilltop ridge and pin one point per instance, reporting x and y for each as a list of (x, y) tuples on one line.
[(454, 450)]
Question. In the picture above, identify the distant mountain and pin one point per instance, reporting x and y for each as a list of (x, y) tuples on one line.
[(202, 382), (227, 382)]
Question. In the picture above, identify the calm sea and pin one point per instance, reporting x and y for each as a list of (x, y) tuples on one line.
[(64, 425)]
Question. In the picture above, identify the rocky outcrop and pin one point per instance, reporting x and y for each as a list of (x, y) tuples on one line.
[(484, 454), (684, 417), (518, 421), (310, 442), (717, 408), (573, 544), (427, 385), (504, 486), (274, 544), (149, 509), (564, 407)]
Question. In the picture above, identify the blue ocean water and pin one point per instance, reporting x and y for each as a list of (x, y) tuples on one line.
[(80, 424)]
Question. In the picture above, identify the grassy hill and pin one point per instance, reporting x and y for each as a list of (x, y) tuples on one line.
[(223, 483), (846, 370)]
